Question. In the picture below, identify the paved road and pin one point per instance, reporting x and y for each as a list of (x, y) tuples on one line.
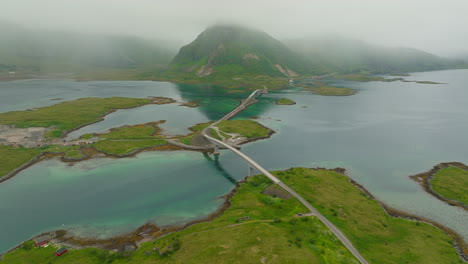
[(254, 164)]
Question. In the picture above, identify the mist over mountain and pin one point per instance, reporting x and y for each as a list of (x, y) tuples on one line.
[(335, 53), (26, 50), (230, 49), (224, 50)]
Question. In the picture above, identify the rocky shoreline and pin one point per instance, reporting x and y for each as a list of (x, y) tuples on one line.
[(425, 178), (149, 231)]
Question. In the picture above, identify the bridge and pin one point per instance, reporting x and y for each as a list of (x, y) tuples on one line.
[(254, 165)]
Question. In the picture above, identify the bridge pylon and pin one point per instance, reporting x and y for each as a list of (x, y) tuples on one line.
[(250, 171), (216, 150)]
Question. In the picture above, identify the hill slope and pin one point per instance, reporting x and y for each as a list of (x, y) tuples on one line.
[(337, 54), (231, 50), (24, 50)]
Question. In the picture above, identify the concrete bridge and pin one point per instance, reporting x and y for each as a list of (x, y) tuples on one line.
[(254, 165)]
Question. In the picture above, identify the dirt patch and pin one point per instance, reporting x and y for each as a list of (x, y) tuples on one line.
[(205, 70), (27, 137), (277, 191)]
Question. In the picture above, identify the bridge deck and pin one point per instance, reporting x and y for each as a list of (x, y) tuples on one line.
[(251, 100)]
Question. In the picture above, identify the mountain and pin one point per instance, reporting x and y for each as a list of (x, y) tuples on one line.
[(25, 50), (338, 54), (227, 50)]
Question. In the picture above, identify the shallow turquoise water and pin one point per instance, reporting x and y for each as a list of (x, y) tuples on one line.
[(382, 135)]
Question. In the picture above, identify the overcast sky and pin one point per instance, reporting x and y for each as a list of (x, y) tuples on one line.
[(438, 26)]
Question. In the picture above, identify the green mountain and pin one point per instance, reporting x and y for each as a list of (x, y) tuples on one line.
[(337, 54), (25, 50), (227, 50)]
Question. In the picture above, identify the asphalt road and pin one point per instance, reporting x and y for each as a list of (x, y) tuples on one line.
[(325, 221)]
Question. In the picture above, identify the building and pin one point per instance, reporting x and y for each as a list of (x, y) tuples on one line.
[(42, 240), (60, 252)]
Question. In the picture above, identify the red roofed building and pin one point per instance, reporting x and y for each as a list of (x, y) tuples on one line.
[(60, 252)]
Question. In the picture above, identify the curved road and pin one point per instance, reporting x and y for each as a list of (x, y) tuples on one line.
[(254, 164)]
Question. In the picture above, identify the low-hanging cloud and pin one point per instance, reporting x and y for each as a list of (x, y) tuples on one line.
[(437, 26)]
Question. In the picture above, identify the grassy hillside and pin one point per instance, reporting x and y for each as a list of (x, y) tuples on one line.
[(379, 237), (226, 50), (25, 50), (338, 54), (451, 183), (261, 226), (256, 226)]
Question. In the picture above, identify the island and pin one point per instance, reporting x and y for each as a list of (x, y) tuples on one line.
[(260, 222), (447, 182), (285, 101), (37, 134), (366, 77), (331, 91)]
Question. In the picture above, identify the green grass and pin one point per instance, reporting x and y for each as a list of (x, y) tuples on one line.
[(185, 140), (87, 136), (46, 255), (200, 127), (379, 237), (285, 101), (130, 132), (329, 90), (358, 77), (58, 148), (271, 232), (122, 147), (451, 183), (69, 115), (214, 134), (246, 128), (13, 158)]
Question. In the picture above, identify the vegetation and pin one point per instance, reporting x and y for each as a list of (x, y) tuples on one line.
[(36, 51), (245, 128), (451, 183), (123, 147), (285, 101), (328, 54), (185, 140), (69, 115), (130, 132), (256, 226), (260, 226), (379, 237), (200, 127), (13, 158), (359, 77), (329, 90), (191, 104), (214, 134), (226, 51)]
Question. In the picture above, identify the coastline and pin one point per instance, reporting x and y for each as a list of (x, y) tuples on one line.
[(150, 231), (424, 180)]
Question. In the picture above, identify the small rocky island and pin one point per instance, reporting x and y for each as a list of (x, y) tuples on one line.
[(285, 101)]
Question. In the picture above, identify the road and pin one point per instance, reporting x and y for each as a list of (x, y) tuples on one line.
[(265, 172)]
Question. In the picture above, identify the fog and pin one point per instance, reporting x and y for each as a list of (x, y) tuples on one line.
[(437, 26)]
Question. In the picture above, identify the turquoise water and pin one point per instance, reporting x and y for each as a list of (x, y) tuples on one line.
[(381, 135)]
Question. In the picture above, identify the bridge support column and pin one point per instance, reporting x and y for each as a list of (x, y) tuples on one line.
[(216, 150), (250, 171)]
